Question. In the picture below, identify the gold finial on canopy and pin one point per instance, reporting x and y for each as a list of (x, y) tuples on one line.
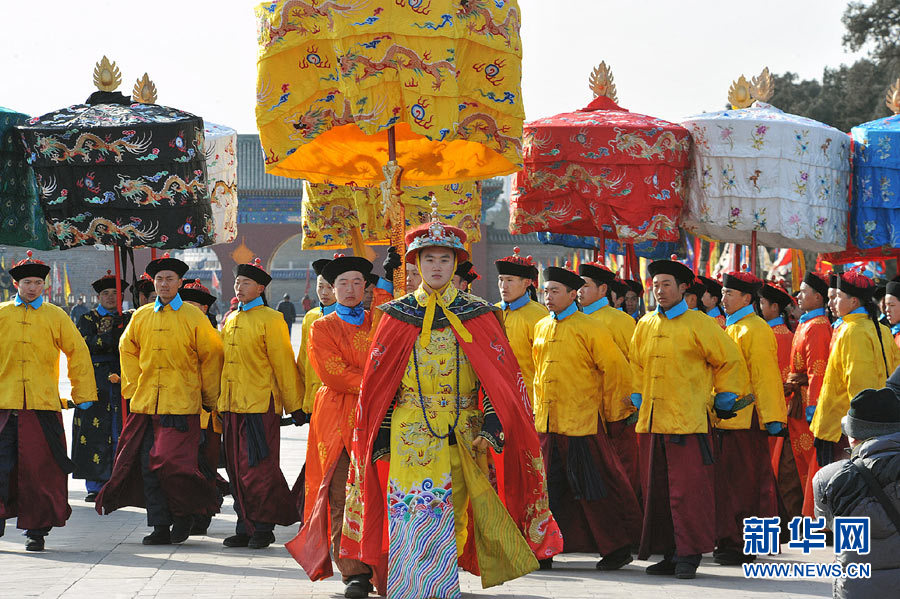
[(762, 87), (106, 75), (892, 98), (144, 90), (739, 94), (601, 82)]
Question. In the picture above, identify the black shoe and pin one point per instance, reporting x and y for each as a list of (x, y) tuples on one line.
[(159, 536), (261, 540), (200, 526), (616, 559), (181, 530), (684, 570), (35, 544), (546, 564), (731, 557), (358, 587), (238, 540), (664, 568), (90, 497)]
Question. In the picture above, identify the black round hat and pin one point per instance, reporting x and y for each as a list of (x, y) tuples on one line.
[(253, 270), (599, 273), (682, 273), (342, 264), (564, 276), (108, 281), (166, 263)]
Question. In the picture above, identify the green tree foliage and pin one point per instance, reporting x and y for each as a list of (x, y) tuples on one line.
[(849, 95)]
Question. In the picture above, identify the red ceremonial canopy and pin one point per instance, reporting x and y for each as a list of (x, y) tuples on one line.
[(602, 171)]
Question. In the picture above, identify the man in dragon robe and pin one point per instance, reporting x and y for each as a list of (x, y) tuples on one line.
[(441, 402), (96, 429), (337, 348)]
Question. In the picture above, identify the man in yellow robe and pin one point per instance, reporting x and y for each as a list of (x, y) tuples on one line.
[(171, 368), (260, 380), (745, 483), (581, 375), (516, 280), (679, 357), (620, 417), (863, 355), (34, 467)]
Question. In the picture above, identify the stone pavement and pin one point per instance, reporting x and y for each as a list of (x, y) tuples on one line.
[(102, 557)]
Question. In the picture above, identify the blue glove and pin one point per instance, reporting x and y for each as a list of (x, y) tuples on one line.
[(774, 429), (725, 401), (85, 405), (810, 412), (636, 400)]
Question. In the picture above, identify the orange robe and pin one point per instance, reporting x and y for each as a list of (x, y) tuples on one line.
[(809, 356), (338, 353)]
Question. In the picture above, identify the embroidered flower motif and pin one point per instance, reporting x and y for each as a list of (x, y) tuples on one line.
[(758, 137), (335, 365), (726, 135)]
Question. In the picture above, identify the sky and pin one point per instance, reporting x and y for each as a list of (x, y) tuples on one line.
[(670, 59)]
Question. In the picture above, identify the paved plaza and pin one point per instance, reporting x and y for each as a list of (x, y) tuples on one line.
[(102, 558)]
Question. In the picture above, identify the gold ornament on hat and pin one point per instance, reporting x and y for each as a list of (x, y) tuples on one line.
[(762, 87), (106, 75), (601, 82), (144, 90)]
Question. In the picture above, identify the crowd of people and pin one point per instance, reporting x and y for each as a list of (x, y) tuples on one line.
[(446, 432)]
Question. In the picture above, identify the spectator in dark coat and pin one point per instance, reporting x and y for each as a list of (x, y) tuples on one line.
[(872, 426), (286, 307)]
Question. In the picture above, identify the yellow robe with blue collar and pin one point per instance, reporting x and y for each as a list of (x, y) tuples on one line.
[(519, 326)]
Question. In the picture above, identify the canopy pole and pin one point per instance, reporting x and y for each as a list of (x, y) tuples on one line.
[(736, 258), (754, 252), (395, 210), (118, 279), (152, 253)]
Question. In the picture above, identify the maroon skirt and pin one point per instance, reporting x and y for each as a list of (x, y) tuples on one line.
[(174, 458), (745, 483), (37, 479), (261, 490), (679, 495), (597, 525), (623, 439)]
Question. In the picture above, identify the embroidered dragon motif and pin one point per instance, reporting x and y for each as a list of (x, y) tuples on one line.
[(487, 126), (292, 14), (574, 174), (98, 228), (361, 67), (470, 10), (314, 122), (636, 146), (52, 148), (138, 191)]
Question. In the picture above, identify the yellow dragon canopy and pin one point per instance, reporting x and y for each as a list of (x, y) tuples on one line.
[(339, 216), (335, 75)]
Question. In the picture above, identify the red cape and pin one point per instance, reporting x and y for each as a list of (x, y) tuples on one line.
[(521, 480)]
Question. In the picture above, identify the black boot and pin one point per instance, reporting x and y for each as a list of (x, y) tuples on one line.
[(685, 570), (546, 564), (616, 559), (664, 568), (261, 540), (2, 526), (181, 529), (238, 540), (731, 557), (358, 587), (35, 543), (159, 536), (200, 525)]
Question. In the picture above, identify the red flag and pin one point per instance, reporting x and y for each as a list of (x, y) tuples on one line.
[(215, 281)]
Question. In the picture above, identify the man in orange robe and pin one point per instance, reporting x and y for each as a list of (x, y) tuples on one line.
[(809, 356), (773, 301), (338, 349)]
